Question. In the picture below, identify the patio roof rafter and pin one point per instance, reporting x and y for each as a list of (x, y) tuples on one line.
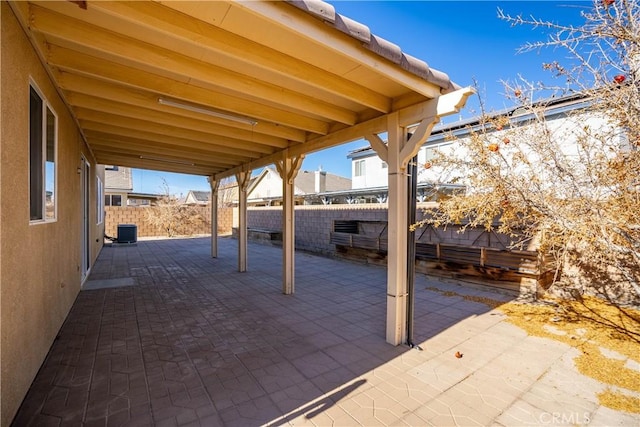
[(95, 107), (170, 130), (79, 63), (142, 146), (98, 90), (141, 152), (159, 164), (158, 24), (71, 33), (184, 142)]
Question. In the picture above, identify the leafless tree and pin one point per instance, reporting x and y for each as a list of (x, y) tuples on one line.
[(171, 216), (570, 190), (227, 192)]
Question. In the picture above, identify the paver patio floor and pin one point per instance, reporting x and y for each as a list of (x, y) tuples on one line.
[(170, 336)]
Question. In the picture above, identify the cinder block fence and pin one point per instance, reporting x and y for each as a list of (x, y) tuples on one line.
[(136, 215)]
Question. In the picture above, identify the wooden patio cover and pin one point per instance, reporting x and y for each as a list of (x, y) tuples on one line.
[(220, 88)]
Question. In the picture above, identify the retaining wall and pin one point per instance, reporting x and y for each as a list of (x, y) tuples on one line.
[(314, 223)]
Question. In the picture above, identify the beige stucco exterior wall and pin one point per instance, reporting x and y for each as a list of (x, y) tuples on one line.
[(40, 263)]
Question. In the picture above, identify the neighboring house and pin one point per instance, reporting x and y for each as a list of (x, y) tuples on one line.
[(562, 116), (265, 189), (367, 169), (118, 183), (197, 198), (118, 189), (142, 199), (227, 195)]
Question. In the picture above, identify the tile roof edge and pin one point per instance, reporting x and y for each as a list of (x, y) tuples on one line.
[(382, 47)]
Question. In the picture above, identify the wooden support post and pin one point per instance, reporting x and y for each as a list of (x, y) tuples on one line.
[(397, 153), (397, 235), (288, 168), (214, 215), (243, 184)]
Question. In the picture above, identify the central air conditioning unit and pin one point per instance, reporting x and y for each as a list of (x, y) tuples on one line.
[(127, 233)]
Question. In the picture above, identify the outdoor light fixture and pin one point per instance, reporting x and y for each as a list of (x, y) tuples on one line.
[(208, 111), (158, 159)]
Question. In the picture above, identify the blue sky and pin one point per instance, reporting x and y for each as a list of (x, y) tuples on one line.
[(465, 39)]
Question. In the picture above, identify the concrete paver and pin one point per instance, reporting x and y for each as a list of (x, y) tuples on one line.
[(190, 341)]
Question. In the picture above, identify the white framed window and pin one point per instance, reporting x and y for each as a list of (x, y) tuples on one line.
[(359, 168), (428, 152), (113, 200), (99, 201), (43, 156)]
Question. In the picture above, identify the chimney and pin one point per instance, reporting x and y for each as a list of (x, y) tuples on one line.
[(321, 181)]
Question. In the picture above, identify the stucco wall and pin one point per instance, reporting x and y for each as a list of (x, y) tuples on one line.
[(40, 263)]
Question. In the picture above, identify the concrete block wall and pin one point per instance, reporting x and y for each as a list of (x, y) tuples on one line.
[(136, 215), (225, 220), (314, 224)]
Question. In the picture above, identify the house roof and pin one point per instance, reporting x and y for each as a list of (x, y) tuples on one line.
[(150, 196), (552, 107), (359, 152), (306, 182), (218, 87), (200, 196)]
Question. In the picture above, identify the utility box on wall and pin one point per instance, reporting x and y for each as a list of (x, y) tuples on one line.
[(127, 233)]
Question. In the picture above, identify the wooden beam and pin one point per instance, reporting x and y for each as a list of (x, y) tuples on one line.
[(378, 146), (152, 151), (155, 59), (229, 159), (164, 114), (169, 130), (288, 168), (444, 105), (155, 23), (155, 157), (100, 139), (341, 136), (440, 107), (136, 162), (94, 88), (102, 69), (396, 234), (118, 132)]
